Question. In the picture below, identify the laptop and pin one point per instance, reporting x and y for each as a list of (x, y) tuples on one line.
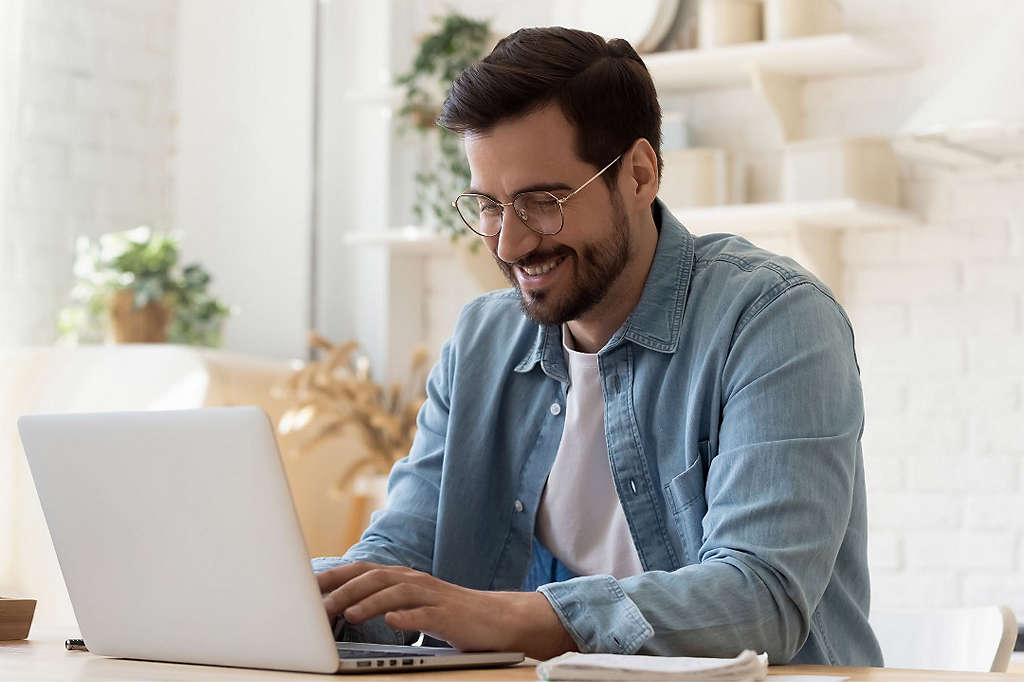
[(178, 541)]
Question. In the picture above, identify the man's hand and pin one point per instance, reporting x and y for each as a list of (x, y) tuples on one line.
[(469, 620)]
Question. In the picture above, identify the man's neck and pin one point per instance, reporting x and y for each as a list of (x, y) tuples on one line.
[(592, 331)]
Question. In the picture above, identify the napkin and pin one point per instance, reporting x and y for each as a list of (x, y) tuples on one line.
[(574, 666)]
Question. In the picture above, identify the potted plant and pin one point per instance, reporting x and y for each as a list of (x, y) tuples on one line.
[(458, 42), (129, 287)]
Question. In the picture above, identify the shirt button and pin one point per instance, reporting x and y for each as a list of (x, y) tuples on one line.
[(556, 409), (518, 505)]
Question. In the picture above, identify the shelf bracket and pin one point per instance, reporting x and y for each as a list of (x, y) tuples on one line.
[(784, 95)]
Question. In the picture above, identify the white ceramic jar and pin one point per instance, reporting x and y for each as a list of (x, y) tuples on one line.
[(862, 168), (787, 19), (700, 176), (728, 22)]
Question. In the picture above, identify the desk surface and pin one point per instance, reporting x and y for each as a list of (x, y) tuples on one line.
[(44, 658)]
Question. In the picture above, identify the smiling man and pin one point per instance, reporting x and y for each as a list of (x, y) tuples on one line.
[(651, 443)]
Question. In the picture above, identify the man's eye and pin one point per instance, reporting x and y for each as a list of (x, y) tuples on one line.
[(490, 209)]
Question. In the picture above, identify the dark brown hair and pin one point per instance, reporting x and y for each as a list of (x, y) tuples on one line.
[(602, 87)]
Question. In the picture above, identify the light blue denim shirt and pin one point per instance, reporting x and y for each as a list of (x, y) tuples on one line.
[(733, 418)]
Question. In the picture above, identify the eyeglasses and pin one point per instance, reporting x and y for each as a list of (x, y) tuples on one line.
[(539, 210)]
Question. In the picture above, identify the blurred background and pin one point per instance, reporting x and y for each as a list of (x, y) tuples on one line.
[(189, 188)]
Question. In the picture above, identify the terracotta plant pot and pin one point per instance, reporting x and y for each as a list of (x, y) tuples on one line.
[(138, 325)]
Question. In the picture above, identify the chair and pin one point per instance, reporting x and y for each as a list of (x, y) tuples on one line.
[(966, 639)]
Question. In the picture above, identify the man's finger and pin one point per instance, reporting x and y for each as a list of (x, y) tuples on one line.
[(359, 587), (373, 580), (334, 578), (426, 619), (396, 597)]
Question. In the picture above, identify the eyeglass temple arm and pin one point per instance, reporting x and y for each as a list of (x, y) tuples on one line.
[(594, 177)]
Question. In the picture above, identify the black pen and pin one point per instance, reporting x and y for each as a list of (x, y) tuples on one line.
[(75, 645)]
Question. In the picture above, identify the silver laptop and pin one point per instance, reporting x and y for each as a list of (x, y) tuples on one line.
[(179, 541)]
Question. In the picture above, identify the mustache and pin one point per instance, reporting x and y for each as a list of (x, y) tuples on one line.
[(536, 258)]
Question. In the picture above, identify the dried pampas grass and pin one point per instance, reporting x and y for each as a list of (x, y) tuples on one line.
[(336, 392)]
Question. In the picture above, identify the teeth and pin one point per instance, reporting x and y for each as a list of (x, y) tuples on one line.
[(541, 269)]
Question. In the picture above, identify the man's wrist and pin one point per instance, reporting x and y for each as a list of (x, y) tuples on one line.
[(539, 632)]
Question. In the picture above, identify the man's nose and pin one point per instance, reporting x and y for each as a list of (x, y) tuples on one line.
[(515, 239)]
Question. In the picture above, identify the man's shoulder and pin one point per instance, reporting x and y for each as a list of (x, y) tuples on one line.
[(733, 257), (748, 276), (720, 258)]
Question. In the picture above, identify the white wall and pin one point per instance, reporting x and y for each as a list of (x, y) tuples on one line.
[(244, 158), (938, 312)]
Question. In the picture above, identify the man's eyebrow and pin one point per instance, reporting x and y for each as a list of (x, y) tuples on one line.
[(539, 187)]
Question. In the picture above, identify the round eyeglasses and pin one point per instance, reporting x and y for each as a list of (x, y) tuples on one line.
[(539, 210)]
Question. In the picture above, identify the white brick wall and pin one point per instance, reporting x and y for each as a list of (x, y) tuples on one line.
[(938, 315), (92, 139)]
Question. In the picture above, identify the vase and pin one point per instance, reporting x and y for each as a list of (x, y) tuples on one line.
[(138, 325)]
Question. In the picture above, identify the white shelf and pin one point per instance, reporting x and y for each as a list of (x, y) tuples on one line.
[(833, 214), (837, 214), (816, 56)]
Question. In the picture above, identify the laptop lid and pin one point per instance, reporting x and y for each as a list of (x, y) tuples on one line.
[(178, 539)]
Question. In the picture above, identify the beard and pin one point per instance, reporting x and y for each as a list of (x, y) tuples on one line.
[(596, 268)]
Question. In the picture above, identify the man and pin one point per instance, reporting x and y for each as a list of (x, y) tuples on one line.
[(651, 444)]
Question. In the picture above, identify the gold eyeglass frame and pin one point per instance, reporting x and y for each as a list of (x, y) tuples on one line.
[(503, 206)]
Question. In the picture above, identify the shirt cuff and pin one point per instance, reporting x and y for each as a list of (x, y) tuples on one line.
[(598, 615)]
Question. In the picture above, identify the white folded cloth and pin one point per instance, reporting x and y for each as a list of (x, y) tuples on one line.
[(574, 666)]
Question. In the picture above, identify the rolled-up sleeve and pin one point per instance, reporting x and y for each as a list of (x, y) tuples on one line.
[(778, 495)]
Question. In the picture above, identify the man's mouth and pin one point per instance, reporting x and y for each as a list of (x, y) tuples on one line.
[(541, 268)]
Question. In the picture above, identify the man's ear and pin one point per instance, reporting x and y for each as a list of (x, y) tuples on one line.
[(641, 165)]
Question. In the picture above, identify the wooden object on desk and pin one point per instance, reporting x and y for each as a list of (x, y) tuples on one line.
[(44, 658), (15, 617)]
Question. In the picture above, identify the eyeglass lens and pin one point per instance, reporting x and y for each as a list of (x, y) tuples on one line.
[(540, 211)]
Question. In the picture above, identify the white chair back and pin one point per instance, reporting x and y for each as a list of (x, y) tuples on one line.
[(968, 639)]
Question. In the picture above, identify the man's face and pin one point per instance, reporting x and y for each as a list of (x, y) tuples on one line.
[(564, 276)]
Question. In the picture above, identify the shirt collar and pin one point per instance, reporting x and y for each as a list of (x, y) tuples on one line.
[(656, 320)]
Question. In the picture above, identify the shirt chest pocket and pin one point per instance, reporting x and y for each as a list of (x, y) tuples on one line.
[(689, 505)]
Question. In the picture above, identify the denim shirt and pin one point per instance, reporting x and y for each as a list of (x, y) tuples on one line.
[(733, 418)]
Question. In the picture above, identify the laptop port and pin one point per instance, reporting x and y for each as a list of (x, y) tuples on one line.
[(380, 664), (364, 664), (407, 661), (394, 661)]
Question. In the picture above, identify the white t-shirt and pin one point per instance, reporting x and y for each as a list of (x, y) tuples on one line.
[(580, 519)]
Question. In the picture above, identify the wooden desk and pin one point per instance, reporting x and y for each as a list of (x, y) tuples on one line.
[(44, 658)]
